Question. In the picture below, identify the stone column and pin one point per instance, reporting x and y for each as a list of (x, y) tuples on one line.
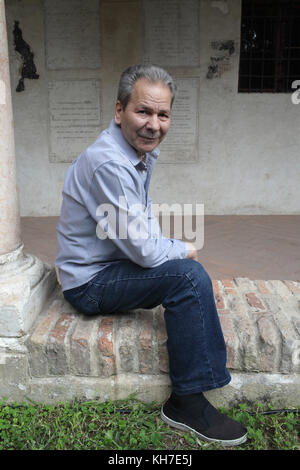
[(25, 282), (9, 213)]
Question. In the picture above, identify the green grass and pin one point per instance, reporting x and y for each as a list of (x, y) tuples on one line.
[(129, 424)]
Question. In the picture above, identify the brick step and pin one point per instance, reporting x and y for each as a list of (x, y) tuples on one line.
[(260, 322)]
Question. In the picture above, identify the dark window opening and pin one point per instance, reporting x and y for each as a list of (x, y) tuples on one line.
[(270, 45)]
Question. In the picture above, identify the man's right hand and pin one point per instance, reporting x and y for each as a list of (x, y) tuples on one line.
[(192, 251)]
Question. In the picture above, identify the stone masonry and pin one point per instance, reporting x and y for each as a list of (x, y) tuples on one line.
[(67, 355), (260, 321)]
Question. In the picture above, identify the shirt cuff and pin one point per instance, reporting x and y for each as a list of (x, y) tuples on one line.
[(179, 249)]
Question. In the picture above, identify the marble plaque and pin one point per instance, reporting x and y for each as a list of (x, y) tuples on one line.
[(74, 117), (181, 142), (172, 32), (72, 34)]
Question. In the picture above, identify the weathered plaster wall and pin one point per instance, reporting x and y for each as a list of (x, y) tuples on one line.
[(249, 144)]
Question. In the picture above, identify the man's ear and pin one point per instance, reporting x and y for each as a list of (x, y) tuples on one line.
[(118, 112)]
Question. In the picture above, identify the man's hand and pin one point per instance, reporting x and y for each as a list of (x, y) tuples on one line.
[(192, 251)]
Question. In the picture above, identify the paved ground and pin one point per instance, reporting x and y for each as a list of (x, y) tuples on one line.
[(257, 247)]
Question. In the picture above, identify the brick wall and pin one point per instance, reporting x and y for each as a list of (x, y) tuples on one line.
[(260, 322)]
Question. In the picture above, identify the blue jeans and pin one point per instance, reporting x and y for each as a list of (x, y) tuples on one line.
[(196, 346)]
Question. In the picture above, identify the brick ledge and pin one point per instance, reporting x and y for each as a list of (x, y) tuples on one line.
[(260, 321)]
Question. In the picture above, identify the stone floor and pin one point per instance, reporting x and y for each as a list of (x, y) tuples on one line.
[(256, 247)]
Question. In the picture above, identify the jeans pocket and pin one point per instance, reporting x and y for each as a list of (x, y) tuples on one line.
[(92, 298), (89, 305), (85, 299)]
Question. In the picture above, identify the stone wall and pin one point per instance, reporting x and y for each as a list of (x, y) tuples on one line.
[(234, 152)]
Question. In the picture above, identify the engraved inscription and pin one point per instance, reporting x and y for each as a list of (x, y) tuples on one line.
[(181, 144), (72, 34), (74, 108), (172, 32)]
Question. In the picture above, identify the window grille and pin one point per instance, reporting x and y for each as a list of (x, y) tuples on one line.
[(270, 45)]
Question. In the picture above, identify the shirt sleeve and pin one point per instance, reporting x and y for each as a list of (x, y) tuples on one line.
[(179, 249), (115, 203)]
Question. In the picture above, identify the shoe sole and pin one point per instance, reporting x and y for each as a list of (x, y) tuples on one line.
[(185, 427)]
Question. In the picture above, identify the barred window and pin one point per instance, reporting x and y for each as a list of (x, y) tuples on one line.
[(270, 45)]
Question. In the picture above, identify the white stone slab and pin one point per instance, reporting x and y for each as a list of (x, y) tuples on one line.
[(74, 117), (72, 34), (181, 144), (172, 32)]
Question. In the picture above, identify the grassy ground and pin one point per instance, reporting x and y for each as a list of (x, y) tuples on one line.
[(131, 425)]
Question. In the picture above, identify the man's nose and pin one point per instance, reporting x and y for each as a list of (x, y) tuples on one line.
[(153, 122)]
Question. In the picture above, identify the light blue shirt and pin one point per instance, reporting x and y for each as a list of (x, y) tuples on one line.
[(109, 175)]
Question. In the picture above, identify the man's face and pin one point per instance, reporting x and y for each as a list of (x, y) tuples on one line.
[(146, 119)]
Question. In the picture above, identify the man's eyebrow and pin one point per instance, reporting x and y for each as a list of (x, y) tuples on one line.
[(144, 106), (149, 108)]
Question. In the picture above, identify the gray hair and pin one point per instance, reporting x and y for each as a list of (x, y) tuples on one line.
[(153, 73)]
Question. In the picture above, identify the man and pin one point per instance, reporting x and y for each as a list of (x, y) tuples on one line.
[(103, 272)]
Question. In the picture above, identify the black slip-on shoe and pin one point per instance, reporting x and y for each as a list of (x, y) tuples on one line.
[(199, 416)]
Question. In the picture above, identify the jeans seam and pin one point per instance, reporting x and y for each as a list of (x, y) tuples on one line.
[(202, 314), (98, 304), (138, 278)]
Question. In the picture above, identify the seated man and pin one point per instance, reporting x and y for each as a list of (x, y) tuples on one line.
[(105, 267)]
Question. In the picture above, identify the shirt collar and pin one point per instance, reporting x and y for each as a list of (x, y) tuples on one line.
[(117, 134)]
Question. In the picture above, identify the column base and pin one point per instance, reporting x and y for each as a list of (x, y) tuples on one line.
[(26, 284)]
